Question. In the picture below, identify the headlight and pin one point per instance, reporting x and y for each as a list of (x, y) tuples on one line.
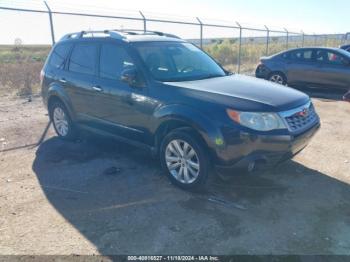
[(257, 121)]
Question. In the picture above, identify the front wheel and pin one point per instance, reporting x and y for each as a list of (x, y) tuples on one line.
[(278, 78), (184, 159)]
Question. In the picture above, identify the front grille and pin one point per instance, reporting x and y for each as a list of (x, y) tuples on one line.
[(301, 118)]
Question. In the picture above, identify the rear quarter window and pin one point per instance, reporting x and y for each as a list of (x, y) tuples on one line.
[(59, 55), (301, 55)]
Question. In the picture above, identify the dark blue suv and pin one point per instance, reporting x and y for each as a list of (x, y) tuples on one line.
[(164, 94)]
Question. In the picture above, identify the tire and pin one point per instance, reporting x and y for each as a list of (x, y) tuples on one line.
[(62, 122), (278, 78), (194, 164)]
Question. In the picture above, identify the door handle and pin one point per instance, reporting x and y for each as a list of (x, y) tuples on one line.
[(97, 88), (62, 80)]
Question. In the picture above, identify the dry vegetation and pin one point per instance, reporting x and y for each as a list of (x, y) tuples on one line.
[(226, 51), (20, 68)]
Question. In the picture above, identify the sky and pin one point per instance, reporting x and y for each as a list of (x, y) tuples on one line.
[(310, 16)]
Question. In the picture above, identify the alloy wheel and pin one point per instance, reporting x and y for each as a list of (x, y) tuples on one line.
[(60, 121), (277, 79), (182, 161)]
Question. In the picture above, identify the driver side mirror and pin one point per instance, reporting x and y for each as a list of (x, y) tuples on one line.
[(131, 77)]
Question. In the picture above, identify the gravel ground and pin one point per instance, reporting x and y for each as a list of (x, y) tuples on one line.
[(95, 196)]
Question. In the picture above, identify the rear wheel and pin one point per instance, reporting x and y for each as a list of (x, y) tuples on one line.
[(278, 78), (185, 160), (62, 122)]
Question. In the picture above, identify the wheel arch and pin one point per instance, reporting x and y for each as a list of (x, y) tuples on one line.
[(57, 93), (52, 99), (183, 117), (176, 124)]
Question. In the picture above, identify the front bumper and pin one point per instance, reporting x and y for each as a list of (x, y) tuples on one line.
[(260, 152)]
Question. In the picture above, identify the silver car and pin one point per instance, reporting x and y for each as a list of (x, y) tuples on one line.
[(325, 67)]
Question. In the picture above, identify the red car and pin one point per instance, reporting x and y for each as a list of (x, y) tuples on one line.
[(346, 97)]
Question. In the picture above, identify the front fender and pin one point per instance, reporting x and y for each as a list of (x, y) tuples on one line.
[(192, 117)]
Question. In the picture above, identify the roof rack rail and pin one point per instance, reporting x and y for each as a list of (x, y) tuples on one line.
[(142, 32), (117, 34), (165, 34), (112, 33)]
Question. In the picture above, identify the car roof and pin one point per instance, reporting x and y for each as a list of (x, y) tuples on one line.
[(313, 47), (341, 51)]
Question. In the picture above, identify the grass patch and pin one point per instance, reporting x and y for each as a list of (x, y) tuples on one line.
[(20, 68)]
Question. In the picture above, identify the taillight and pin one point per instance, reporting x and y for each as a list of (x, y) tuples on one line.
[(42, 74)]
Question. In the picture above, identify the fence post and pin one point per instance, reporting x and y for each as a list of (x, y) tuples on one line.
[(239, 48), (287, 39), (51, 23), (267, 40), (302, 38), (325, 40), (200, 32), (144, 22), (344, 39)]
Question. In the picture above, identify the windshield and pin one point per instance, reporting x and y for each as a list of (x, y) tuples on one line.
[(177, 61)]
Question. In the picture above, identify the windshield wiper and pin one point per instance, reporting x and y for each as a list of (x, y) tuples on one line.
[(192, 78), (210, 76)]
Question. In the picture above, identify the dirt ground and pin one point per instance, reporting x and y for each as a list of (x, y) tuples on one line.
[(95, 196)]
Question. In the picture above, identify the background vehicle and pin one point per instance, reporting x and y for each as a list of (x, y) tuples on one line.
[(326, 67), (345, 47), (159, 92)]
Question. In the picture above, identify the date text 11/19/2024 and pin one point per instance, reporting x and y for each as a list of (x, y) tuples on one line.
[(173, 258)]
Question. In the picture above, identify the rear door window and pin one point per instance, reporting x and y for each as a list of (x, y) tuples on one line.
[(83, 59), (59, 55), (286, 55), (113, 60), (301, 55)]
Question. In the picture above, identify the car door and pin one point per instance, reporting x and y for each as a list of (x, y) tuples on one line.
[(80, 79), (300, 66), (121, 109), (333, 69)]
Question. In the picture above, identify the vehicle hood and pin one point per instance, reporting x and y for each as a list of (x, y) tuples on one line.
[(264, 58), (245, 93)]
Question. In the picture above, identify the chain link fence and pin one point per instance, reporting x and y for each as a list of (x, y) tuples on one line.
[(237, 47)]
